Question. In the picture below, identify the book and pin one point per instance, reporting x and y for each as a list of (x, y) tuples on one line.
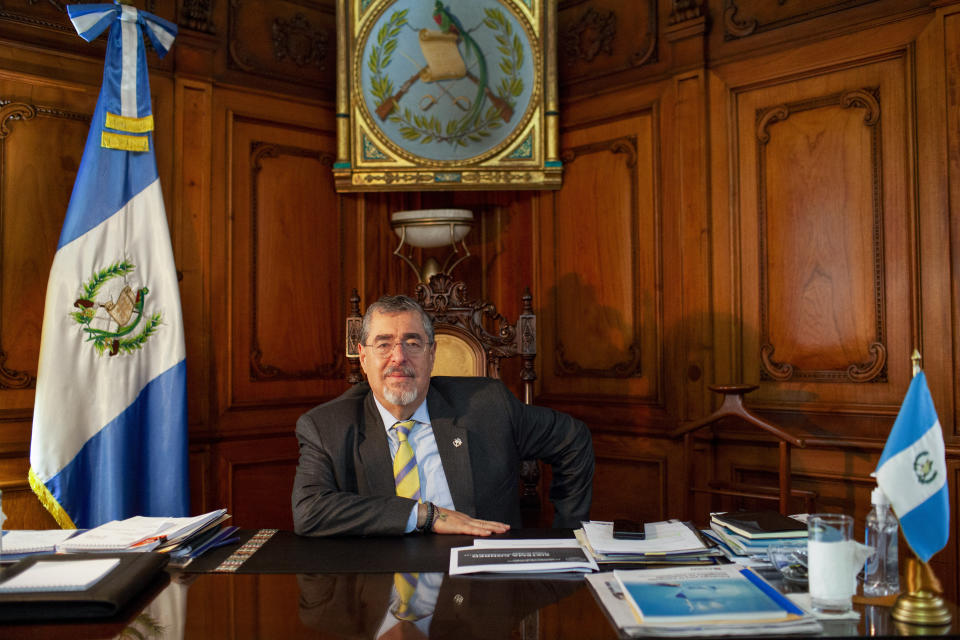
[(688, 595), (761, 524), (50, 575), (609, 593)]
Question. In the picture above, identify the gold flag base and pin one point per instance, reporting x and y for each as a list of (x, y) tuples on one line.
[(921, 605)]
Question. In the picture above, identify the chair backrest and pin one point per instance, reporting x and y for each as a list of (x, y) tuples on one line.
[(472, 339)]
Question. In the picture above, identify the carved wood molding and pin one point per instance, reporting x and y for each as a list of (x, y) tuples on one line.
[(629, 367), (589, 36), (738, 25), (874, 369), (683, 10), (297, 40), (197, 15), (61, 7), (10, 113), (260, 370), (595, 32)]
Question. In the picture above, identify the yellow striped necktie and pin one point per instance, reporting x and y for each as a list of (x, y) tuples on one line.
[(406, 586), (405, 473)]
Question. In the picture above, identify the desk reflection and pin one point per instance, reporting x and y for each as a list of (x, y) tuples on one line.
[(365, 605)]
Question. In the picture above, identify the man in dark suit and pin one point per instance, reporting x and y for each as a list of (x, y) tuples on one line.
[(468, 437)]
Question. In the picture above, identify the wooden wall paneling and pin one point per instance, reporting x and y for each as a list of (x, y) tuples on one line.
[(686, 279), (284, 275), (191, 237), (823, 203), (725, 302), (602, 324), (632, 478), (255, 480), (951, 32), (41, 142), (937, 242)]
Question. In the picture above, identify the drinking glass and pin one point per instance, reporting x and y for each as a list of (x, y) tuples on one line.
[(831, 552)]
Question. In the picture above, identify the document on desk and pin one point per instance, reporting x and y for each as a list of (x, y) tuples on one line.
[(662, 538), (19, 543), (139, 533), (521, 556)]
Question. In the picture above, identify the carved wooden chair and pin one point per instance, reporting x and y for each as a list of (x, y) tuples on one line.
[(472, 339)]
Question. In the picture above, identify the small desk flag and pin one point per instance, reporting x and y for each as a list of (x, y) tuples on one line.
[(912, 471), (109, 426)]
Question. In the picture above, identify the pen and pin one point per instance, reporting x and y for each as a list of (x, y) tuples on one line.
[(147, 541)]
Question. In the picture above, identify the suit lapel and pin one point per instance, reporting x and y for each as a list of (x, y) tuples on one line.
[(453, 444), (373, 452)]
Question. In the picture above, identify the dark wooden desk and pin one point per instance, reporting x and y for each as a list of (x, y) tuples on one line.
[(277, 602)]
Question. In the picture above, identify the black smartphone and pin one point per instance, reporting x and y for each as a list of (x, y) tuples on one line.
[(628, 530)]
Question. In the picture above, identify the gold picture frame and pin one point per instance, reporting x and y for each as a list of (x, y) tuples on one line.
[(454, 95)]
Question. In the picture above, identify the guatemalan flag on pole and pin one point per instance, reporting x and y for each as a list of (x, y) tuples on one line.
[(109, 428), (913, 472)]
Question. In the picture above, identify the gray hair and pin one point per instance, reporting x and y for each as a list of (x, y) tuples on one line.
[(395, 304)]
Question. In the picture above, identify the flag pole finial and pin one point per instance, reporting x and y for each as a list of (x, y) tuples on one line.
[(916, 359)]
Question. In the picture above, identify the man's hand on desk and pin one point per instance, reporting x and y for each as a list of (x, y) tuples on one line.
[(447, 521)]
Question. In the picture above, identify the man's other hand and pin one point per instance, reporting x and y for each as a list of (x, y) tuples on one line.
[(447, 521)]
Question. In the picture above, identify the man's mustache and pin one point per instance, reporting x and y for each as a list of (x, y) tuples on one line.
[(407, 371)]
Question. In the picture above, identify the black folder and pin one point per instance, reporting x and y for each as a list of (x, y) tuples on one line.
[(134, 573)]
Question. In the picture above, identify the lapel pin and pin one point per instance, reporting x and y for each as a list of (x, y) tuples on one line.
[(457, 442)]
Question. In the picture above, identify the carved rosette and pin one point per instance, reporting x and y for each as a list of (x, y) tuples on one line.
[(684, 10), (589, 36), (874, 369), (259, 369), (298, 41), (196, 15)]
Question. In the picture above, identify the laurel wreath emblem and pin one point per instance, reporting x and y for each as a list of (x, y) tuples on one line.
[(129, 310), (427, 129)]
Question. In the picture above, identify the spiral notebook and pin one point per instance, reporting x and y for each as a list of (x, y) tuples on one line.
[(69, 575)]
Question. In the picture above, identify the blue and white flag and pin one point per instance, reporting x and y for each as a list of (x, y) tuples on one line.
[(110, 427), (913, 472)]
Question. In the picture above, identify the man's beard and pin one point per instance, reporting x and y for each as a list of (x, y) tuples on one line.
[(400, 397)]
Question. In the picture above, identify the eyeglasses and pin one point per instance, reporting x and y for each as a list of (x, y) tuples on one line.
[(410, 348)]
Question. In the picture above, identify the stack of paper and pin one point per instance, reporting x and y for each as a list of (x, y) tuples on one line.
[(516, 556), (21, 543), (141, 533), (671, 542), (748, 534), (720, 600)]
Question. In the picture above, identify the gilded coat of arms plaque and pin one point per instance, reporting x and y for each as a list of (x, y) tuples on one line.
[(446, 95)]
